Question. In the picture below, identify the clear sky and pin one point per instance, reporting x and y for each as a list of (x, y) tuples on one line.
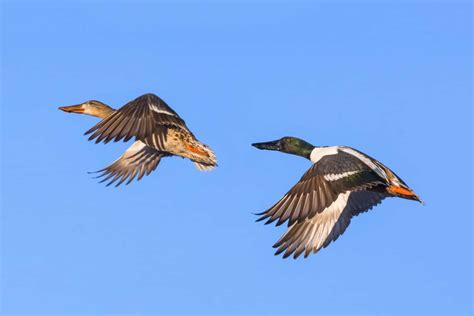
[(392, 79)]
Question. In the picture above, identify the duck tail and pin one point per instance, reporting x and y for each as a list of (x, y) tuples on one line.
[(203, 166)]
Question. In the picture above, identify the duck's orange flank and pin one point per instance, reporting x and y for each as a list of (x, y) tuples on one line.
[(399, 190), (197, 150)]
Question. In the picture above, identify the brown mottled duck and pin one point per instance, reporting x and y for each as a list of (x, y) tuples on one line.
[(158, 132)]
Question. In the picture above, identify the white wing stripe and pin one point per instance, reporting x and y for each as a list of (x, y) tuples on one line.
[(337, 176), (366, 160), (157, 110)]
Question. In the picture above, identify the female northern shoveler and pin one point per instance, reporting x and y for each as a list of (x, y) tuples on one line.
[(158, 131), (341, 183)]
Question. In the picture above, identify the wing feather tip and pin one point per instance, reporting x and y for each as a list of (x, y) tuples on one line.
[(287, 254)]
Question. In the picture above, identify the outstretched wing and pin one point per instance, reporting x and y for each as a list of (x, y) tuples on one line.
[(313, 234), (147, 118), (321, 186), (137, 161)]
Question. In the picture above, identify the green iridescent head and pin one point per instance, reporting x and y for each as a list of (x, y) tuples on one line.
[(290, 145)]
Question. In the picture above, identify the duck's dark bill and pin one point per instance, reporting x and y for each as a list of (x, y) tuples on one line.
[(273, 145)]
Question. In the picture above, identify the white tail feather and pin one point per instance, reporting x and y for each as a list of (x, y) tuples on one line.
[(202, 167)]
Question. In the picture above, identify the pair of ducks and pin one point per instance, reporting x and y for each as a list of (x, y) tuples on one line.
[(341, 183)]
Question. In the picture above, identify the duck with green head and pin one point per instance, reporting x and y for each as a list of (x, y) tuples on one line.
[(341, 183)]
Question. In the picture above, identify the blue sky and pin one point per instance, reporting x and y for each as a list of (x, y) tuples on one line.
[(392, 79)]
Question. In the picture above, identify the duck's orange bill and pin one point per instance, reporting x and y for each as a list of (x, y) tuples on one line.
[(399, 190), (197, 150), (72, 109)]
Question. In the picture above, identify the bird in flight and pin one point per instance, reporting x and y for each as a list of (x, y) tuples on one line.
[(342, 182), (158, 132)]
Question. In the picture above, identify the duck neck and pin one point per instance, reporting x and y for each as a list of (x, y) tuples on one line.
[(305, 152), (102, 111), (302, 149)]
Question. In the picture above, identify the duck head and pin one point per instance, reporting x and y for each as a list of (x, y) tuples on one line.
[(289, 145), (92, 107)]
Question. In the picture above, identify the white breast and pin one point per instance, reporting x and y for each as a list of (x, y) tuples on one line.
[(320, 152)]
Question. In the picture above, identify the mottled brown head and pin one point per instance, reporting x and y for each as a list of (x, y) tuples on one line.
[(92, 107)]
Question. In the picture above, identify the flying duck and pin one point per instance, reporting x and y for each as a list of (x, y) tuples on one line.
[(158, 132), (342, 182)]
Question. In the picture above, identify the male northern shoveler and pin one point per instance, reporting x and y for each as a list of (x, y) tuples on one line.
[(342, 182), (158, 132)]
